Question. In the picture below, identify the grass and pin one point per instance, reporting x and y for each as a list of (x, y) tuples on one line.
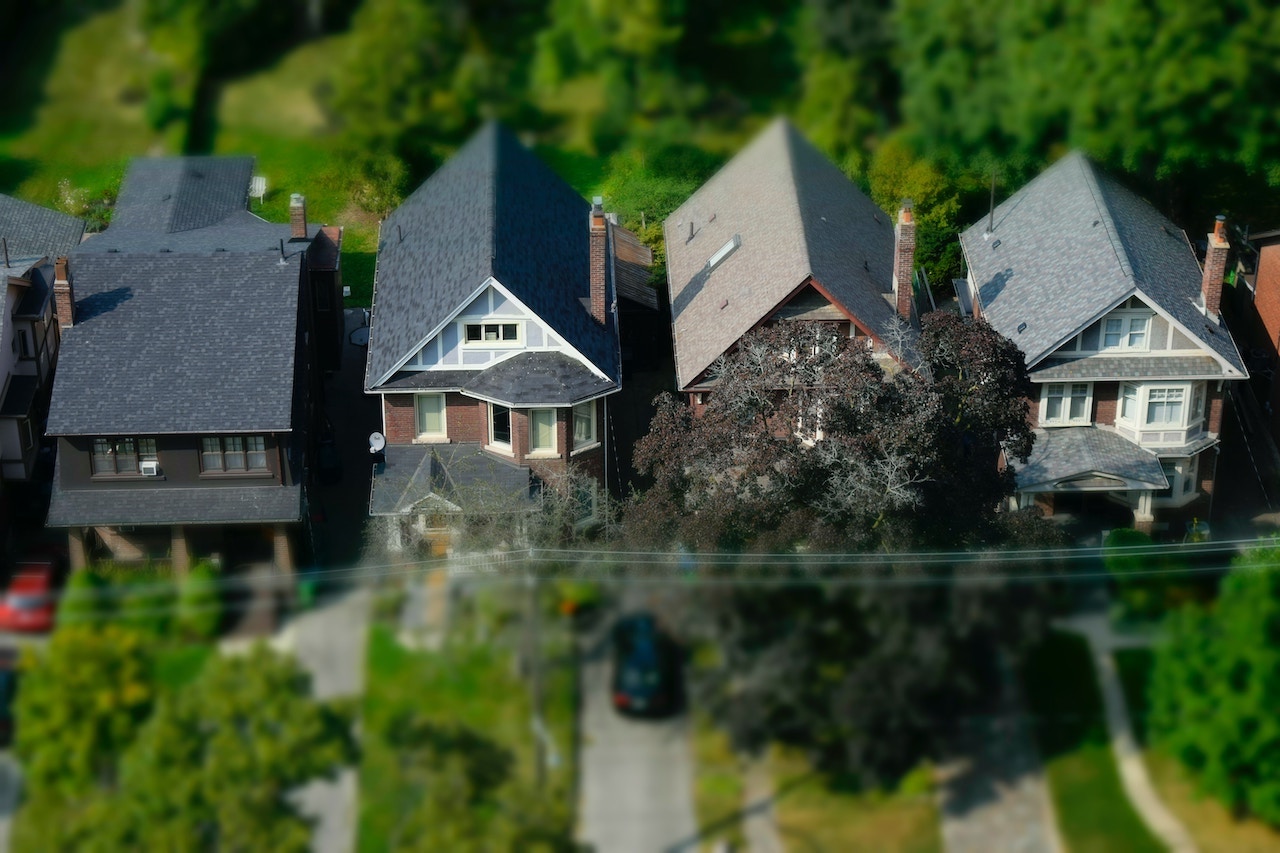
[(1093, 810), (1211, 824), (717, 785), (471, 684), (813, 811), (86, 116), (818, 812)]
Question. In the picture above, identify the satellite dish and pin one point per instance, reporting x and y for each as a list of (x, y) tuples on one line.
[(377, 441)]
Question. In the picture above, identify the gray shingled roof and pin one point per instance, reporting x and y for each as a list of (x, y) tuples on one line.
[(32, 231), (538, 379), (38, 292), (178, 343), (494, 209), (798, 216), (1104, 368), (461, 475), (240, 231), (159, 505), (1073, 244), (1072, 452), (174, 194)]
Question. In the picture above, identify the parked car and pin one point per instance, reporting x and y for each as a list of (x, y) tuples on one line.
[(647, 677), (31, 600)]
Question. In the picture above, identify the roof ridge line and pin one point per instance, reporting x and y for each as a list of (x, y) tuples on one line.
[(1104, 216)]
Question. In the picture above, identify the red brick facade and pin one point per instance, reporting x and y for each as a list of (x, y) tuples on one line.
[(1104, 402), (467, 421), (1215, 267), (599, 239)]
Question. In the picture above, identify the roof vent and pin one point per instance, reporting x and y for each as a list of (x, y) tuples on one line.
[(1022, 327), (725, 251)]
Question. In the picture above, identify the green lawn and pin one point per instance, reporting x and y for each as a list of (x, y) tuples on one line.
[(464, 683), (77, 113), (1093, 811), (718, 784)]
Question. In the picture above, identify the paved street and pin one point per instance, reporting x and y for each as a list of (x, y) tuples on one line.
[(637, 775), (10, 788)]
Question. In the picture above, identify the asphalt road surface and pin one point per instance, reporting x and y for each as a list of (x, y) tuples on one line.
[(637, 775)]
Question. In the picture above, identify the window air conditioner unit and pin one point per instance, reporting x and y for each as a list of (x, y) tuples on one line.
[(150, 467)]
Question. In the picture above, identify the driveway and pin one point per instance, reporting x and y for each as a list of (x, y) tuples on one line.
[(636, 789)]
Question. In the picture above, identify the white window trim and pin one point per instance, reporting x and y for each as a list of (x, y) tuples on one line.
[(506, 449), (518, 343), (1187, 472), (1126, 317), (1193, 422), (1066, 404), (551, 452), (595, 429), (430, 437)]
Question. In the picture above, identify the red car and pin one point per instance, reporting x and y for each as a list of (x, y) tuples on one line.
[(30, 600)]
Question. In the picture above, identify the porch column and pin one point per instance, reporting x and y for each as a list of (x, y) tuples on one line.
[(179, 554), (75, 548), (1142, 517), (282, 549)]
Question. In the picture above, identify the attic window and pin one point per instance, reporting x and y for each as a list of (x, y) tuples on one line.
[(725, 251)]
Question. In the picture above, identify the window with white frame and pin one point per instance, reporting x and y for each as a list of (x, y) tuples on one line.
[(1182, 474), (542, 430), (584, 424), (1128, 410), (499, 425), (429, 416), (1165, 407), (1065, 403), (491, 334), (1125, 331)]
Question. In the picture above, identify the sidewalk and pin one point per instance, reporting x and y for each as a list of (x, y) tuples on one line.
[(1095, 627)]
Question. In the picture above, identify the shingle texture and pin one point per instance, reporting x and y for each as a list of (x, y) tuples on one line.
[(1073, 244), (797, 216), (174, 194), (1071, 452), (538, 378), (1139, 367), (460, 474), (494, 209), (174, 343), (32, 231)]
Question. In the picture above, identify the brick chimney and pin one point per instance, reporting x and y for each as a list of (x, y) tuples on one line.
[(1215, 267), (64, 296), (298, 216), (599, 239), (904, 259)]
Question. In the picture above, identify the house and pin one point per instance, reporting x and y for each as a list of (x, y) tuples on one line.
[(1258, 304), (30, 236), (1123, 337), (493, 341), (189, 378), (779, 233)]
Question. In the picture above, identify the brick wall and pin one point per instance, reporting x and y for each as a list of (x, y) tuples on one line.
[(466, 419), (1214, 403), (1215, 268), (398, 418), (1267, 298), (1105, 402), (599, 238), (1033, 410)]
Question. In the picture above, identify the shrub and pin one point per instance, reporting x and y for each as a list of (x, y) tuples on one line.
[(83, 601), (145, 600), (199, 608)]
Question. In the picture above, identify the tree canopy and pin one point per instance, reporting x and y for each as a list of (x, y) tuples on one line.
[(1216, 687), (904, 461)]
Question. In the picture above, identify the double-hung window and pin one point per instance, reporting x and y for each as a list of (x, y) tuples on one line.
[(584, 424), (233, 453), (123, 455), (492, 333), (499, 425), (542, 430), (1067, 403), (1125, 332), (1165, 407), (429, 416)]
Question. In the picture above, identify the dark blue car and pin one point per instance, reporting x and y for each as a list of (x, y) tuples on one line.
[(646, 668)]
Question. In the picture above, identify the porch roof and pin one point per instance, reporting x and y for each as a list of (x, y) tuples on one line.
[(448, 477), (1089, 459)]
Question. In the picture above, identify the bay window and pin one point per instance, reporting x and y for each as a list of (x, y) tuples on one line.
[(584, 425), (1164, 407), (542, 430), (1164, 414)]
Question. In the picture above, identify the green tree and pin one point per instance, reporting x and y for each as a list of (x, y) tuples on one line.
[(83, 600), (214, 766), (1216, 687), (199, 606)]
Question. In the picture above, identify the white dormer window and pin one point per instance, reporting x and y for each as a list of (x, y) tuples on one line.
[(491, 334), (1066, 404), (1125, 331)]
